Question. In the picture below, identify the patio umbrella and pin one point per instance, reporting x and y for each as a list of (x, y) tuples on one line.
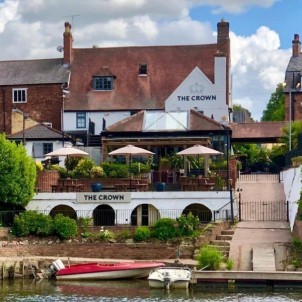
[(130, 150), (200, 150), (67, 151)]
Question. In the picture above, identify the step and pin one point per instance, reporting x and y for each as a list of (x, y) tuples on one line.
[(228, 232), (224, 237), (220, 242), (263, 259)]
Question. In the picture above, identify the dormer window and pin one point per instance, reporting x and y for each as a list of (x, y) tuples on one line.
[(143, 69), (103, 83)]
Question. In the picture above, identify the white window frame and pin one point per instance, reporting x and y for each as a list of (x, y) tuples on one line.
[(21, 98)]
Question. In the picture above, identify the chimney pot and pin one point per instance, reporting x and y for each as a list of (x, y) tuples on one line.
[(296, 46)]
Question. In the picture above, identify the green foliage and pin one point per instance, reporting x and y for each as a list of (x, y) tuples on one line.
[(165, 228), (142, 233), (296, 130), (219, 183), (123, 235), (209, 258), (219, 164), (62, 171), (83, 168), (138, 168), (97, 172), (32, 223), (84, 223), (260, 158), (229, 264), (176, 162), (295, 252), (188, 224), (105, 235), (71, 162), (115, 170), (17, 173), (39, 166), (65, 227), (275, 108)]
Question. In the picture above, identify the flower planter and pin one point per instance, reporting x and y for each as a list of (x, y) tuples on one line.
[(96, 187), (160, 186)]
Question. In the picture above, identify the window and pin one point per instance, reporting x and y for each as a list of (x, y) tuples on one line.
[(40, 149), (103, 83), (143, 69), (81, 120), (19, 95)]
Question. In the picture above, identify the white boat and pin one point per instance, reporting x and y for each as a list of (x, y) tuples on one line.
[(170, 277)]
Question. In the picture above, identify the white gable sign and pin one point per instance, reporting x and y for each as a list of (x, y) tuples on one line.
[(198, 92)]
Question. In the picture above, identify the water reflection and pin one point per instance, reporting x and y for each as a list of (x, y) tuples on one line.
[(136, 290)]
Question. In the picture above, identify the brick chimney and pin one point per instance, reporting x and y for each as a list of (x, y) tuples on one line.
[(67, 44), (223, 38), (296, 46)]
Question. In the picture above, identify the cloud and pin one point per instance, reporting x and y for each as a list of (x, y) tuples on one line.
[(234, 6), (258, 66)]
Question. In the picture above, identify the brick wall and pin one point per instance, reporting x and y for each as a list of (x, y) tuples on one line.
[(44, 104), (45, 179), (135, 251)]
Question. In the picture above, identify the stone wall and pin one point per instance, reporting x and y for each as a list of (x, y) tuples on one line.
[(83, 249)]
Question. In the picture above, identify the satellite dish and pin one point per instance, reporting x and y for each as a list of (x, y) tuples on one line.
[(60, 48)]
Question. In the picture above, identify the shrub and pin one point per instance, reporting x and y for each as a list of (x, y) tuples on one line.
[(83, 168), (105, 235), (62, 171), (209, 258), (115, 170), (71, 162), (188, 224), (39, 166), (65, 227), (165, 228), (123, 235), (32, 223), (96, 172), (142, 233)]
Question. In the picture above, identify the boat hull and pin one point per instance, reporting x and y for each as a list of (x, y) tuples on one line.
[(99, 271), (170, 278)]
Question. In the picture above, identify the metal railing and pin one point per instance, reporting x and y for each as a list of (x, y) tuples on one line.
[(110, 217)]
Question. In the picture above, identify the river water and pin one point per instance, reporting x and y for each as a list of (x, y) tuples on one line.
[(136, 290)]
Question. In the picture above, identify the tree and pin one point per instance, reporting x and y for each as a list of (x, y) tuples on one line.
[(17, 174), (296, 130), (275, 108)]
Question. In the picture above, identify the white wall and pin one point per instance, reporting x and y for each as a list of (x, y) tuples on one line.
[(198, 92), (162, 201), (56, 145), (292, 188), (111, 117)]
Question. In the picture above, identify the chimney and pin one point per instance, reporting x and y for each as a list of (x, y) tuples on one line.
[(296, 46), (223, 38), (67, 44)]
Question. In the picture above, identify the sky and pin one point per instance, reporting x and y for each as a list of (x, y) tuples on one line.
[(261, 33)]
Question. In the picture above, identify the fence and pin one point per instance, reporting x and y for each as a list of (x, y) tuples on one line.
[(125, 217)]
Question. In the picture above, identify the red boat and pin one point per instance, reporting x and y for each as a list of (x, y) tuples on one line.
[(104, 271)]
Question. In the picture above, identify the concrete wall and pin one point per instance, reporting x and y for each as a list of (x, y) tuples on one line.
[(292, 187), (167, 203)]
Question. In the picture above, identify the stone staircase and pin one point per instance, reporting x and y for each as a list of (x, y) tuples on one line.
[(222, 243)]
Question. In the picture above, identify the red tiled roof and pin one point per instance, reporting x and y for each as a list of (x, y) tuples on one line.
[(257, 130), (167, 67)]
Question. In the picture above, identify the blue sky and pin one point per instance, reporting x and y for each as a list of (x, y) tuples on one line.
[(261, 33)]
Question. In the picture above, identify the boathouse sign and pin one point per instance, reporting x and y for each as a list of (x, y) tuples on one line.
[(105, 197)]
